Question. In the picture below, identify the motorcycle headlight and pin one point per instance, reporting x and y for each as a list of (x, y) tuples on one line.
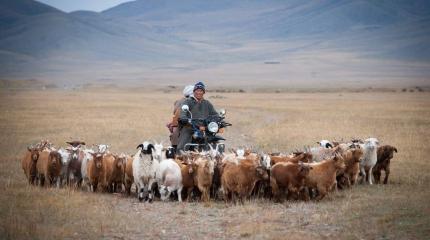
[(213, 127)]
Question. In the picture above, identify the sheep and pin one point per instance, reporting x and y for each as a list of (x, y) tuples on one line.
[(325, 144), (158, 152), (49, 167), (29, 163), (169, 178), (385, 154), (145, 165), (240, 178), (170, 153), (288, 175), (368, 159), (322, 176)]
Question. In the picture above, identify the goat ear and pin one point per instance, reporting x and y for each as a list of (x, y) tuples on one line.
[(82, 143), (139, 146), (395, 149)]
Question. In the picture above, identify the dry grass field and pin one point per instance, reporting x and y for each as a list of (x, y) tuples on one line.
[(267, 121)]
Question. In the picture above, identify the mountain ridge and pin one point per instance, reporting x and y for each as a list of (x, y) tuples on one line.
[(166, 39)]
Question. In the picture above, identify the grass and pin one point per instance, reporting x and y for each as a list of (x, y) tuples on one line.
[(265, 121)]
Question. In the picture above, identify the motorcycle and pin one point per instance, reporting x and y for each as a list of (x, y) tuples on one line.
[(203, 140)]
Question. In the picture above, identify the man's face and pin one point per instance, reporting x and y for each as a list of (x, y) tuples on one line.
[(198, 94)]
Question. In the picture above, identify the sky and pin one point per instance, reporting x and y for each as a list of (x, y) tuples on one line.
[(92, 5)]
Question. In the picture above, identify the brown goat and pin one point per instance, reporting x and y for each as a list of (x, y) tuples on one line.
[(349, 175), (240, 178), (385, 154), (95, 170), (188, 170), (48, 167), (29, 162), (128, 176), (297, 157), (114, 170), (203, 176), (323, 175), (290, 176)]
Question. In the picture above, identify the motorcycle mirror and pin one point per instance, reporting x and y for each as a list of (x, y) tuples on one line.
[(185, 108), (222, 112)]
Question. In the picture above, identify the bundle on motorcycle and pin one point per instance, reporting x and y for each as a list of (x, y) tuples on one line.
[(205, 131)]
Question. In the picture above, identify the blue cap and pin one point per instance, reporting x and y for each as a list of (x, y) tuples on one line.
[(199, 85)]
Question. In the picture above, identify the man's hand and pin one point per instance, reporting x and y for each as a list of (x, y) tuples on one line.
[(202, 128)]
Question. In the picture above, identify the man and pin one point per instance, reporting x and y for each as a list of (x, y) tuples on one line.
[(173, 125), (200, 108)]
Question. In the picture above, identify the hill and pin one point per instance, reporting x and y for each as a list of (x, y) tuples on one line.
[(327, 43)]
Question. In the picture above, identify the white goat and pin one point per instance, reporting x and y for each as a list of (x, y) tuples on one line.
[(145, 166), (369, 158), (65, 159), (169, 179), (103, 148), (85, 161)]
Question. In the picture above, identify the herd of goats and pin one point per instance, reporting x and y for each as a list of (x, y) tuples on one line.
[(158, 172)]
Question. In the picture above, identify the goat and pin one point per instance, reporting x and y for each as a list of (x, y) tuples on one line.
[(348, 176), (74, 169), (323, 174), (95, 170), (385, 154), (240, 178), (65, 159), (48, 167), (288, 175), (204, 175), (369, 158), (169, 178), (296, 158), (88, 157), (29, 164), (128, 176), (114, 169)]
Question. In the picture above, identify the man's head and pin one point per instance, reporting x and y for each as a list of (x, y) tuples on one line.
[(199, 90), (188, 90)]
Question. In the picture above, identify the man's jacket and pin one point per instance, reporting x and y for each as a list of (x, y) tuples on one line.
[(201, 109)]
